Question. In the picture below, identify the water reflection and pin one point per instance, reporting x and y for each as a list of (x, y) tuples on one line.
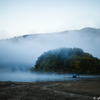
[(74, 79)]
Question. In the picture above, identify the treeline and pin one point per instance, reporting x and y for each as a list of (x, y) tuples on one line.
[(67, 60)]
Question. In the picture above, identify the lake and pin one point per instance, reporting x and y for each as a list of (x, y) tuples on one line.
[(42, 77)]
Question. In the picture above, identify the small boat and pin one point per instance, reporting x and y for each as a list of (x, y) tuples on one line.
[(75, 75)]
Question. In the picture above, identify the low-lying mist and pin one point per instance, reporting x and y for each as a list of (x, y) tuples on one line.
[(31, 77), (21, 53), (41, 77)]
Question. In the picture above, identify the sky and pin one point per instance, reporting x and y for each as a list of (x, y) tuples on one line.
[(20, 17)]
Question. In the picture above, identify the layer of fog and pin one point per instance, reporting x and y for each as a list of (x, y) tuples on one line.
[(21, 53), (40, 77)]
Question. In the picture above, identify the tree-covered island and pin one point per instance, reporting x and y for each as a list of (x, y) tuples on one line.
[(67, 60)]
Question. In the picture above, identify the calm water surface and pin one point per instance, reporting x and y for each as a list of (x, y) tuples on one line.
[(34, 77)]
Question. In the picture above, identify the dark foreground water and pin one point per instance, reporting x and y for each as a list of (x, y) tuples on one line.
[(34, 77)]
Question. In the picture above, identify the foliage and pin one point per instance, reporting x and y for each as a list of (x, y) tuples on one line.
[(68, 60)]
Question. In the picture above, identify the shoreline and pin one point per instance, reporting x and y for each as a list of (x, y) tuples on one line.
[(52, 90)]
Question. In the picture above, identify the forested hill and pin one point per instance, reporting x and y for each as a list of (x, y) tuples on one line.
[(68, 60)]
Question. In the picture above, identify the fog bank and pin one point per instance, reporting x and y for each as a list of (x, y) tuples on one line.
[(40, 77), (21, 53), (31, 77)]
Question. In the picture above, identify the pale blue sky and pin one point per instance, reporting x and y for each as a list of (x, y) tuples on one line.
[(19, 17)]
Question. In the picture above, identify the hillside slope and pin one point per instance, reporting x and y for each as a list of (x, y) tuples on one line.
[(68, 60)]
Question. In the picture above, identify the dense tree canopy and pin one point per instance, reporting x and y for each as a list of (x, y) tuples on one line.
[(67, 60)]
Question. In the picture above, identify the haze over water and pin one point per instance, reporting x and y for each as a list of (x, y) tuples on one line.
[(40, 77)]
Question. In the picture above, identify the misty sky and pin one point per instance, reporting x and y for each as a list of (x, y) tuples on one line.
[(18, 17)]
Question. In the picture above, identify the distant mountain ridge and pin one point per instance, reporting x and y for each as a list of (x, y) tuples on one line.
[(84, 30), (89, 30)]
